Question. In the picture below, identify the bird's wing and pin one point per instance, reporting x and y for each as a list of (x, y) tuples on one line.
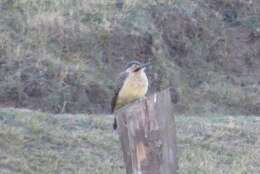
[(119, 85)]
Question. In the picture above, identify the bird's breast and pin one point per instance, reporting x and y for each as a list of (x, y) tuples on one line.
[(134, 87)]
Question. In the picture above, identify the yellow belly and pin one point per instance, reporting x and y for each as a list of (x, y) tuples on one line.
[(131, 91)]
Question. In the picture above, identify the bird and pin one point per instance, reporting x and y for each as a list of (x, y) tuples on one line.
[(132, 84)]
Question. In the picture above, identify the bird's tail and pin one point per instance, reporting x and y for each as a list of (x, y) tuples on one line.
[(115, 124)]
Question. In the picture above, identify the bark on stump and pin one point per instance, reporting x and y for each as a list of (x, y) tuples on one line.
[(148, 135)]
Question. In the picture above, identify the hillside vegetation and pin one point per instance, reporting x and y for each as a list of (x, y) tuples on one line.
[(41, 143), (63, 55)]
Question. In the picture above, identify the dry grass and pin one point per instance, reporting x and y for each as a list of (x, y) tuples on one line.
[(40, 143), (59, 55)]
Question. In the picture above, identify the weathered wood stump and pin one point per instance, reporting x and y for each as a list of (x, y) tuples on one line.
[(148, 135)]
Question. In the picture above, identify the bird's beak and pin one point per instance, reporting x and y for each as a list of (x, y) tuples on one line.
[(145, 65)]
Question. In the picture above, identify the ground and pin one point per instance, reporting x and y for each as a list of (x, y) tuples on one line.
[(33, 142)]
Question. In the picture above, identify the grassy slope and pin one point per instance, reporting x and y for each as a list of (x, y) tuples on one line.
[(63, 55), (39, 143)]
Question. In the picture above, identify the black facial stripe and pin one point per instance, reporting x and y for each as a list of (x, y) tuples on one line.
[(137, 69)]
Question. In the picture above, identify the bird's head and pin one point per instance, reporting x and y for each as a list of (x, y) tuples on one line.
[(136, 66)]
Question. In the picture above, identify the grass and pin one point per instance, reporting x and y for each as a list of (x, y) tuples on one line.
[(220, 144), (40, 143), (33, 142), (62, 56)]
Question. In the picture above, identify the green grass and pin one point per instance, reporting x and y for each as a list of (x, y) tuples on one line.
[(37, 143), (220, 144), (33, 142)]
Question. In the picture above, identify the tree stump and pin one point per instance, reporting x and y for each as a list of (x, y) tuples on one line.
[(148, 135)]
